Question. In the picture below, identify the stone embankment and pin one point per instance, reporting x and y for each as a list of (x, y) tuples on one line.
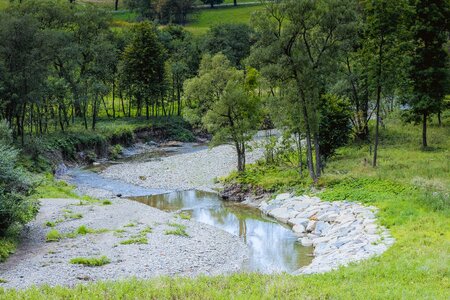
[(341, 232)]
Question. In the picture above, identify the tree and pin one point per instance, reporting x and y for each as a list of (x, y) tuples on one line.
[(182, 63), (145, 8), (203, 90), (224, 102), (143, 66), (212, 2), (384, 49), (233, 40), (301, 40), (234, 117), (335, 124), (429, 72)]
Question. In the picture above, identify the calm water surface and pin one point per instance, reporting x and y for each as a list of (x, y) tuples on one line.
[(273, 246)]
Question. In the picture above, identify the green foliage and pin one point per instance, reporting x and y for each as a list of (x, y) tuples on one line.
[(179, 229), (429, 73), (115, 151), (145, 80), (106, 202), (232, 40), (7, 247), (334, 127), (90, 261), (16, 187)]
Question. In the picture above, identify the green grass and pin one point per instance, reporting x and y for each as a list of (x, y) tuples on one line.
[(50, 224), (141, 238), (135, 240), (200, 21), (412, 201), (184, 216), (53, 236), (90, 261), (106, 202), (179, 229)]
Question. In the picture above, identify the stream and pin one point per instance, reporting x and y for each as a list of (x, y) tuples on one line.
[(273, 247)]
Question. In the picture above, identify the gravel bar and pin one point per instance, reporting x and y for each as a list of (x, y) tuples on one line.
[(207, 250)]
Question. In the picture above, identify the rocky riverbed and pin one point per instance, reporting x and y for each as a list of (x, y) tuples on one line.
[(341, 232), (133, 236)]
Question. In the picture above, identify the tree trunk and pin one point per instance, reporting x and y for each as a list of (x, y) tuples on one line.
[(439, 119), (424, 131), (235, 2), (94, 113), (317, 152), (240, 150), (113, 99), (116, 5), (377, 128)]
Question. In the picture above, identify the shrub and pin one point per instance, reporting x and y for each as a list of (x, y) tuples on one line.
[(16, 186)]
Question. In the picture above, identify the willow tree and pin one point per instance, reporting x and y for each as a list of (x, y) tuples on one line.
[(301, 38), (225, 103)]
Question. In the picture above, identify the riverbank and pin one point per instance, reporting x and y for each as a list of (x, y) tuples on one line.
[(140, 241)]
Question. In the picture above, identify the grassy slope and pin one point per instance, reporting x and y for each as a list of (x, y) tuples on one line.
[(200, 21), (417, 266)]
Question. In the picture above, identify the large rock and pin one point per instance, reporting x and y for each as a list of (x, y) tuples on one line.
[(302, 221), (321, 228), (299, 229), (282, 214), (311, 226), (282, 197)]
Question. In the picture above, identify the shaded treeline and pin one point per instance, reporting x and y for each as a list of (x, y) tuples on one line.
[(61, 63)]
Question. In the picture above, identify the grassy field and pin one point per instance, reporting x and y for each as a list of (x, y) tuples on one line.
[(199, 22), (410, 187)]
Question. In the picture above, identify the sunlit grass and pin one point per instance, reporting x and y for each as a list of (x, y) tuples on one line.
[(200, 21)]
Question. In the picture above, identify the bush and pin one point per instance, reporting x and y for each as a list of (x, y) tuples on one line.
[(16, 187), (335, 126)]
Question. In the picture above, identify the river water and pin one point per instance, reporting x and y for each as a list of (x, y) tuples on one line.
[(273, 247)]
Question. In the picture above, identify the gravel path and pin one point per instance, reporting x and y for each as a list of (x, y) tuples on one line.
[(207, 250), (181, 172)]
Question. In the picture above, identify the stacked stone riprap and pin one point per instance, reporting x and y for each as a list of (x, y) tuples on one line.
[(341, 232)]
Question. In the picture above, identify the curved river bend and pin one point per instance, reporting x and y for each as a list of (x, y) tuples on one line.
[(273, 246)]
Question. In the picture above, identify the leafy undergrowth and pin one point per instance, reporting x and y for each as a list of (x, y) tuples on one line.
[(7, 247)]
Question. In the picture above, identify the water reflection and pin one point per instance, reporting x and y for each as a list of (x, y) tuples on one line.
[(273, 247)]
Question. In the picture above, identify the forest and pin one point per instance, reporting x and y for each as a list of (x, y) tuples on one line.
[(357, 92)]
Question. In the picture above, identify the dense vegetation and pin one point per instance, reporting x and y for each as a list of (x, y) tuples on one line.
[(341, 80)]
